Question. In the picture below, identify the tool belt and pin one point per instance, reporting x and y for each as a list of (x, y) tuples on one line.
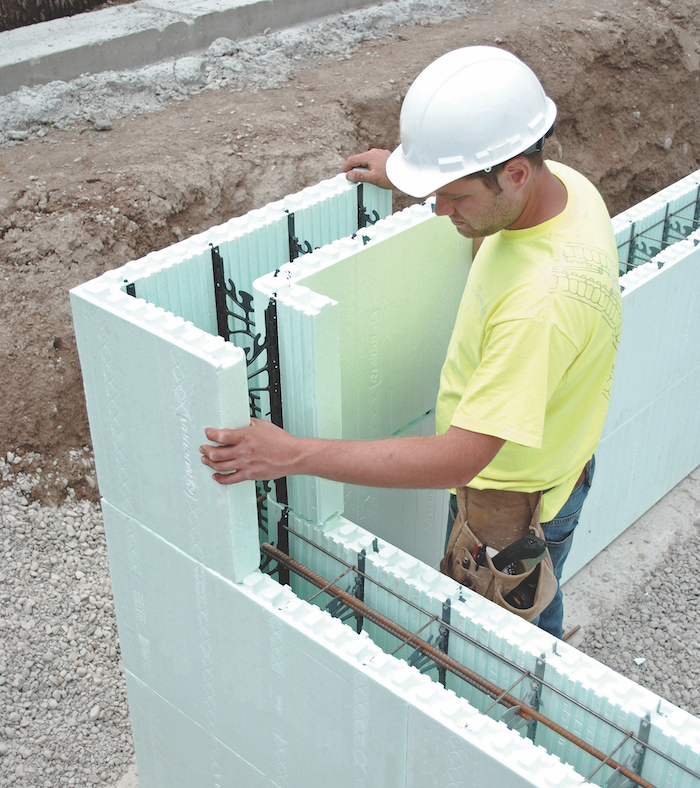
[(497, 549)]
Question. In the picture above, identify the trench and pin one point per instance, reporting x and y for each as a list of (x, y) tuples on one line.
[(77, 201)]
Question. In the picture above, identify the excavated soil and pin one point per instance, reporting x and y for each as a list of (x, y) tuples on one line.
[(76, 202)]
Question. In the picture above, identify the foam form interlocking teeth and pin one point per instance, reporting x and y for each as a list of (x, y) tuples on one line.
[(250, 246), (679, 197)]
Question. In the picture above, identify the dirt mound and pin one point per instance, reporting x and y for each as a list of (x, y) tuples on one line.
[(77, 202)]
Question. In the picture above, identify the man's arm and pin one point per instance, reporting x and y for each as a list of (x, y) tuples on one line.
[(263, 451)]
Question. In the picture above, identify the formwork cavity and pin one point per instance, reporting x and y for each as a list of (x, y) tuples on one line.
[(521, 663), (327, 315), (658, 222)]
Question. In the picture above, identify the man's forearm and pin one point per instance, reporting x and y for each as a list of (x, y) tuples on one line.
[(408, 462), (263, 451)]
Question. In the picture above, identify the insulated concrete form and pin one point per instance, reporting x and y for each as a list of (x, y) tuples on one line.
[(651, 438), (650, 226), (236, 680), (141, 33), (360, 364), (578, 677), (143, 370), (248, 685)]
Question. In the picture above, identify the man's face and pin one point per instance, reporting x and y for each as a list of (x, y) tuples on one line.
[(474, 209)]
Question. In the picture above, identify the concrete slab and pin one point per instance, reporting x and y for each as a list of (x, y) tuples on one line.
[(144, 32)]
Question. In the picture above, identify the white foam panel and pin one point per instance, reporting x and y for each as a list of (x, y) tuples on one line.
[(153, 382), (651, 438), (211, 705), (581, 679), (381, 358)]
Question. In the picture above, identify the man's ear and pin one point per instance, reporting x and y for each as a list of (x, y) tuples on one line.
[(515, 174)]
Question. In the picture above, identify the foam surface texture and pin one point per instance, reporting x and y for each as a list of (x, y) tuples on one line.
[(153, 383), (652, 430)]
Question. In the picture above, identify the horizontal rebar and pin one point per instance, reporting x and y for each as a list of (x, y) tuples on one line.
[(487, 650), (447, 662), (495, 654)]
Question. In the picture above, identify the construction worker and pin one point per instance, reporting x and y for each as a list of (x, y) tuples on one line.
[(525, 385)]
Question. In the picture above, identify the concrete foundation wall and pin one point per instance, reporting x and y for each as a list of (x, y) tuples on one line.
[(141, 33)]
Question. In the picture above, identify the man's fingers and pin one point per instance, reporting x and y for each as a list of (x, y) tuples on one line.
[(224, 436), (358, 160), (223, 465), (259, 451), (368, 167), (228, 478), (214, 454), (357, 176)]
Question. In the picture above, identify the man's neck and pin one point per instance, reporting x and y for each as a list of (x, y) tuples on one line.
[(546, 198)]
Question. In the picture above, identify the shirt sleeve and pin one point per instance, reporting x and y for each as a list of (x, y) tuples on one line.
[(522, 363)]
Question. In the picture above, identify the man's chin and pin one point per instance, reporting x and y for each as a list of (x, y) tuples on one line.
[(466, 231)]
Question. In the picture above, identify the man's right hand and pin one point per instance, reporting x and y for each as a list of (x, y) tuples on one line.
[(375, 162)]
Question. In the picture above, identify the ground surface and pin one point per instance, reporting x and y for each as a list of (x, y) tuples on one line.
[(76, 201)]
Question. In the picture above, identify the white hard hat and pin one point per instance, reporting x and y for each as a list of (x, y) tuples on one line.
[(470, 110)]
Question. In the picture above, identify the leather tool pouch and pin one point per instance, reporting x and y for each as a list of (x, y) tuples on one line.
[(498, 518)]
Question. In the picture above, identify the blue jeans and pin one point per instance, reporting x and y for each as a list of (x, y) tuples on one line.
[(559, 534)]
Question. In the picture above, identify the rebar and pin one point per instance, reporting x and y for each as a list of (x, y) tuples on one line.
[(461, 671), (491, 652)]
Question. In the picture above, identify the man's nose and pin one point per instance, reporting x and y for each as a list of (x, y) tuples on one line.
[(443, 206)]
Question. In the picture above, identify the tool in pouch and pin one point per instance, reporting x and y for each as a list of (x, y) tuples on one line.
[(497, 548)]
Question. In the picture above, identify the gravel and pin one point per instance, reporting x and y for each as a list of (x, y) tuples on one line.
[(63, 712), (653, 636), (259, 63)]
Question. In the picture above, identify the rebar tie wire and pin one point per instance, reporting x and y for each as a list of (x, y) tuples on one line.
[(459, 670), (492, 653)]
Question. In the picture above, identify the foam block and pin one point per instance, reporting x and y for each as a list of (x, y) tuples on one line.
[(181, 631), (145, 359), (394, 331), (441, 752), (656, 385), (153, 383), (330, 731), (309, 338), (175, 752), (498, 646)]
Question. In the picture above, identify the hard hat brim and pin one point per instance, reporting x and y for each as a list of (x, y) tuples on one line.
[(421, 180), (414, 179)]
